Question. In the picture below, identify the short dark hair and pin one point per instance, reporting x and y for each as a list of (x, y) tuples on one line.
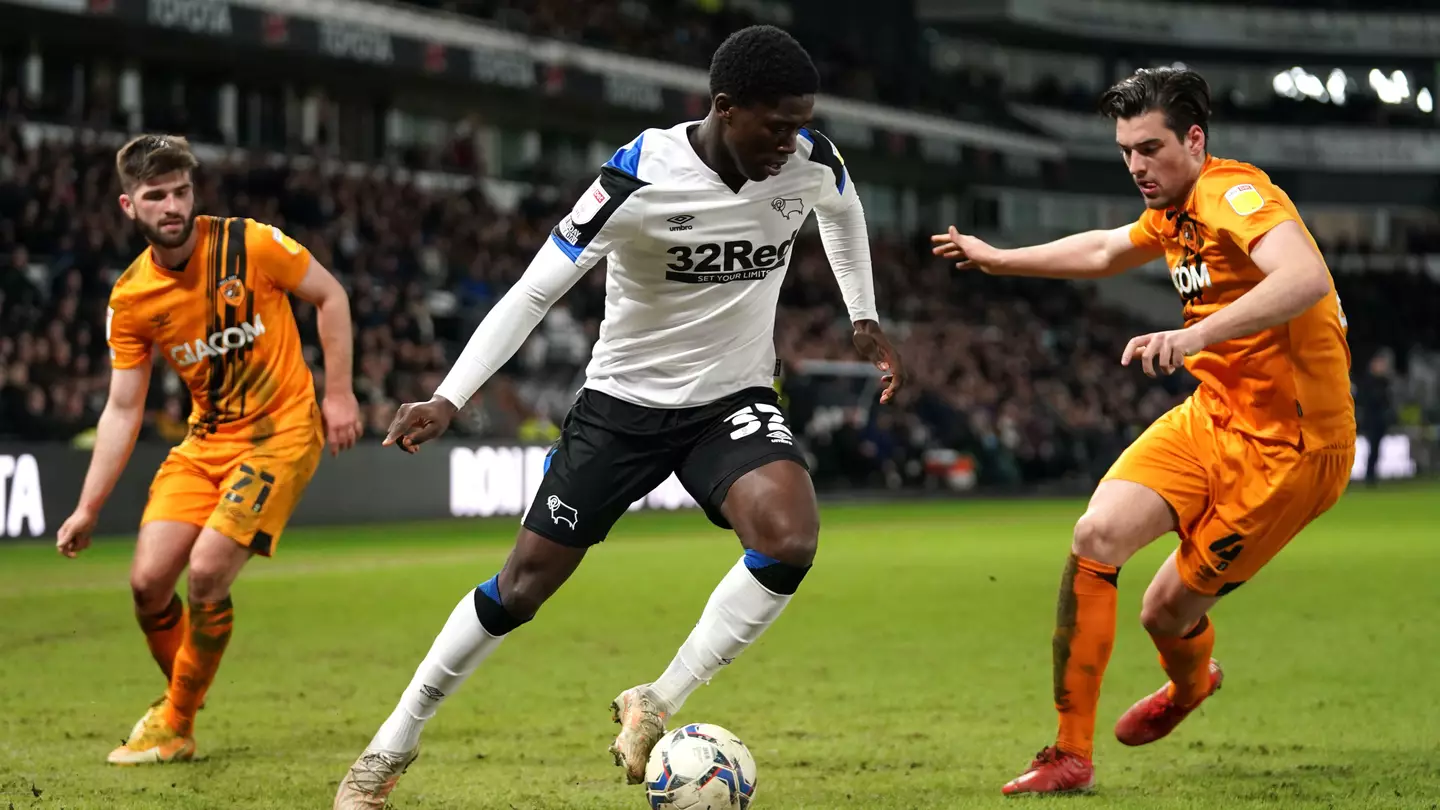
[(1180, 93), (761, 65), (146, 157)]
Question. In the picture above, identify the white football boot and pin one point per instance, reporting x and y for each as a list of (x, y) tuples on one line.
[(372, 778), (642, 715)]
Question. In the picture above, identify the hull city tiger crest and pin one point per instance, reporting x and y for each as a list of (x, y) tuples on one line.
[(232, 290)]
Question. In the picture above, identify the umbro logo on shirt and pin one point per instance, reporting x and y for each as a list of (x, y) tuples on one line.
[(680, 222)]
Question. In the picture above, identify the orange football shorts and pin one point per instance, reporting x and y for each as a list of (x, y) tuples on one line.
[(1238, 499), (246, 491)]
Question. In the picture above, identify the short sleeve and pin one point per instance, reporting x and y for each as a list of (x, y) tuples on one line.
[(607, 213), (275, 254), (838, 192), (129, 342), (1245, 206), (1145, 233)]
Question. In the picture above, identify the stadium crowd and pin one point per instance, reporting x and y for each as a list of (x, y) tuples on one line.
[(1021, 374), (688, 31)]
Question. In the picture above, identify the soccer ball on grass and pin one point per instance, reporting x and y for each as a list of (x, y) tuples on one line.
[(700, 767)]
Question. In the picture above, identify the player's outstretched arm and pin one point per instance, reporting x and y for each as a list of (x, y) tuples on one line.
[(332, 307), (550, 275), (114, 441), (1092, 254)]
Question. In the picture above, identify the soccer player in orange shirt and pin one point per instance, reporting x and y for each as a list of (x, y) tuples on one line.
[(210, 294), (1264, 445)]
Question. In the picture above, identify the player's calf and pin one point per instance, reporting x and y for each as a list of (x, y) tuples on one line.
[(477, 625), (772, 509), (745, 603), (479, 622)]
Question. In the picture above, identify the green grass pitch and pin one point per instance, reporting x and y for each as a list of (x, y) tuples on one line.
[(912, 670)]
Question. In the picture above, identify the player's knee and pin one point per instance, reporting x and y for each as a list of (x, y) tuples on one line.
[(1101, 538), (780, 553), (151, 592), (512, 597), (523, 596), (495, 612), (1161, 619), (208, 583), (789, 539)]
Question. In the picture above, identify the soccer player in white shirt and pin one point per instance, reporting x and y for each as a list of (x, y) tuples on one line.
[(697, 222)]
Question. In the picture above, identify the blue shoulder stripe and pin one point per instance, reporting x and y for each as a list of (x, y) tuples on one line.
[(823, 152), (627, 158)]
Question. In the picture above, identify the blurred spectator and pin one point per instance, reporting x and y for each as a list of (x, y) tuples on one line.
[(1375, 407)]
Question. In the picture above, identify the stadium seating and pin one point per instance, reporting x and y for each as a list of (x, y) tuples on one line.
[(1020, 374)]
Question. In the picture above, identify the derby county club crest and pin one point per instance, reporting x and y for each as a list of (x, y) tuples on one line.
[(232, 289)]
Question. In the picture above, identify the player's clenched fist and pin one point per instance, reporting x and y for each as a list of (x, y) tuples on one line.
[(419, 422), (74, 536), (342, 421), (968, 252)]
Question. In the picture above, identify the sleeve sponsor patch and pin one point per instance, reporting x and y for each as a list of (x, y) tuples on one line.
[(291, 246), (1244, 199), (589, 203), (568, 231)]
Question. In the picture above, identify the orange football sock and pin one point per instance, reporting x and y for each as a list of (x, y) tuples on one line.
[(165, 632), (1084, 637), (198, 660), (1186, 660)]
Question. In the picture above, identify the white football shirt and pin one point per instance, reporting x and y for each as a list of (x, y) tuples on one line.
[(694, 271)]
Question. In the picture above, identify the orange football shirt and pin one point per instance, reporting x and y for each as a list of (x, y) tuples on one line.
[(1290, 382), (224, 324)]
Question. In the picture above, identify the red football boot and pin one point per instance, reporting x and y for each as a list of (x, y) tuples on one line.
[(1053, 771), (1157, 715)]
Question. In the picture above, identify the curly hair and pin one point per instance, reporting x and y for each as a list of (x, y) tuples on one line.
[(761, 65)]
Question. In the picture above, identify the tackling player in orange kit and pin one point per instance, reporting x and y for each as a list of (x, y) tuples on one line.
[(1264, 445)]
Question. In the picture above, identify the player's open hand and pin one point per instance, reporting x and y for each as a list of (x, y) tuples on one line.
[(968, 252), (342, 421), (419, 422), (74, 536), (873, 345), (1163, 352)]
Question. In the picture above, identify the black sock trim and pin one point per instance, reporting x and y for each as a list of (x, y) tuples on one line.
[(1199, 628), (166, 619), (493, 616), (781, 578)]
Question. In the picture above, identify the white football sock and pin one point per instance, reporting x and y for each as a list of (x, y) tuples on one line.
[(461, 646), (738, 612)]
